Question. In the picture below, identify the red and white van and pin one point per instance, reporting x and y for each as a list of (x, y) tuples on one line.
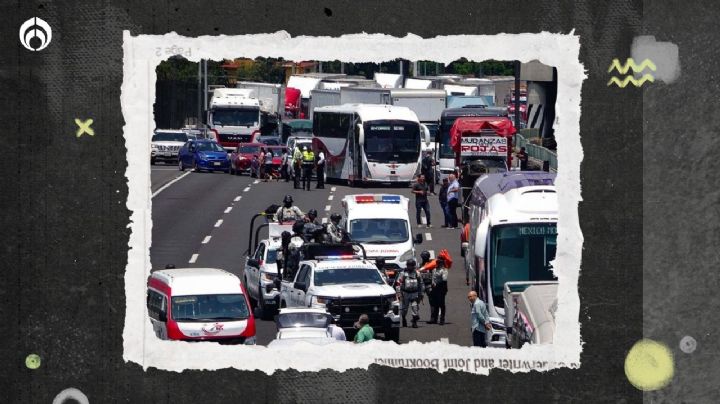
[(199, 304)]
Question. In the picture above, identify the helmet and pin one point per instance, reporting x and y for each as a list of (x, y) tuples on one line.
[(335, 217), (425, 256), (410, 264), (298, 227), (312, 212), (380, 262), (288, 200)]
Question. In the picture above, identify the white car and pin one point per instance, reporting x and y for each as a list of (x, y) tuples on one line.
[(308, 325), (166, 144)]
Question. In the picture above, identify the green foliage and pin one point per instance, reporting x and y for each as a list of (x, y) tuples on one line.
[(479, 69), (178, 68)]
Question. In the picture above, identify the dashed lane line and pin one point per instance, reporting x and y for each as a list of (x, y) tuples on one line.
[(327, 208), (333, 189), (193, 258), (164, 187), (246, 189), (237, 198), (324, 220), (428, 236), (256, 182), (206, 239), (228, 209), (218, 223), (432, 254), (330, 198)]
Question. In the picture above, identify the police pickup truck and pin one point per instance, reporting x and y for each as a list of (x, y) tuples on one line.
[(335, 277)]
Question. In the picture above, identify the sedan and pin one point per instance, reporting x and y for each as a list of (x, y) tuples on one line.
[(241, 158), (204, 155)]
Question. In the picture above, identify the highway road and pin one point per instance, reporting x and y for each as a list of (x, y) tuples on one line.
[(202, 220)]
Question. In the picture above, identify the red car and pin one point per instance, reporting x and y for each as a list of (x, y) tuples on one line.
[(241, 158)]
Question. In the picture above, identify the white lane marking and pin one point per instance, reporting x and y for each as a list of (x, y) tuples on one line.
[(327, 208), (193, 258), (228, 209), (330, 198), (164, 169), (324, 220), (218, 223), (432, 254), (164, 187), (206, 239), (237, 198), (246, 189), (428, 236), (333, 189), (256, 182), (423, 220)]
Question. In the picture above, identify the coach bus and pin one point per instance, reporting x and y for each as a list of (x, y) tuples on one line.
[(368, 143)]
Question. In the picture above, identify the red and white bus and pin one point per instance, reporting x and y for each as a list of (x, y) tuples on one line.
[(368, 142)]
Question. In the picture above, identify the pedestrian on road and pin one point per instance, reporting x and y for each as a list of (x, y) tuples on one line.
[(307, 162), (523, 158), (410, 287), (479, 320), (365, 332), (297, 160), (321, 170), (453, 197), (427, 168), (261, 163), (442, 196), (420, 189), (268, 165), (337, 332), (439, 290), (284, 168)]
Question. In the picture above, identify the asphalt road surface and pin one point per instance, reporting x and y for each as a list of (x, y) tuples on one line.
[(203, 219)]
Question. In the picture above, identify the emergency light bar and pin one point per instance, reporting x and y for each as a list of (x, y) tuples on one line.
[(337, 257), (377, 198)]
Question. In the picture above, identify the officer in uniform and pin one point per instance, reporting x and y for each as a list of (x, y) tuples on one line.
[(439, 290), (410, 287), (334, 230), (307, 163), (288, 212), (296, 162), (311, 217)]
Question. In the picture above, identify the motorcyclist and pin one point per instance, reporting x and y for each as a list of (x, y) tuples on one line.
[(311, 217), (288, 212), (334, 230), (410, 288)]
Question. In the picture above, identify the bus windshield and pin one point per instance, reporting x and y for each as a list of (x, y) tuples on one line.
[(225, 307), (392, 141), (236, 117), (521, 252)]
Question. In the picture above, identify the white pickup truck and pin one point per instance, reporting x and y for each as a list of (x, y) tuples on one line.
[(347, 286)]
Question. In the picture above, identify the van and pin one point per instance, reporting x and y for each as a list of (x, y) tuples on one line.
[(199, 304)]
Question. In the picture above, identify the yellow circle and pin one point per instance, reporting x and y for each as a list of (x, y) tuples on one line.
[(649, 365), (32, 361)]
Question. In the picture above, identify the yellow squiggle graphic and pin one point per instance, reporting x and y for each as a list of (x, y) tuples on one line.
[(630, 63), (630, 79)]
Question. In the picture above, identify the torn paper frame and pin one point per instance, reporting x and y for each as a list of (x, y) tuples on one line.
[(143, 53)]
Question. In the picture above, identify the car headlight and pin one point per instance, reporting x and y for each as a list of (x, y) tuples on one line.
[(202, 156), (154, 147), (266, 276), (406, 255), (250, 340), (320, 300)]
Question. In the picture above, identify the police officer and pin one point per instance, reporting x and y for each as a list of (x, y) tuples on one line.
[(439, 290), (307, 163), (297, 161), (288, 212), (426, 275), (334, 230), (380, 264), (311, 217), (410, 287)]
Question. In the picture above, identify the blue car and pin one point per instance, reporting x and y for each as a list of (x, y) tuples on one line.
[(203, 154)]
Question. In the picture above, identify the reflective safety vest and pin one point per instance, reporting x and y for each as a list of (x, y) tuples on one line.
[(308, 157)]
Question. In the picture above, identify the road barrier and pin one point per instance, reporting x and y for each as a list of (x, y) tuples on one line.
[(534, 151)]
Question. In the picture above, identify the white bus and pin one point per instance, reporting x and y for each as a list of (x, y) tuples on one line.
[(368, 143)]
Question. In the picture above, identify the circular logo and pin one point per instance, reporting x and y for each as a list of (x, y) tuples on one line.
[(35, 34), (33, 361)]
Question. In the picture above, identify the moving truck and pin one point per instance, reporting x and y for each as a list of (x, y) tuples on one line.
[(322, 98)]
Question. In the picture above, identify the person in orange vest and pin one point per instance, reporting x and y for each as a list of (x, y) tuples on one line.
[(427, 270)]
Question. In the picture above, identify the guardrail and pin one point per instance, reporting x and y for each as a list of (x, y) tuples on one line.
[(535, 151)]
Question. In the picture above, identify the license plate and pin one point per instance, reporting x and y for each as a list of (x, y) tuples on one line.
[(167, 153), (217, 163), (393, 177)]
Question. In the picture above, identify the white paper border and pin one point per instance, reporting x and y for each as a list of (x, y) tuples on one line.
[(141, 56)]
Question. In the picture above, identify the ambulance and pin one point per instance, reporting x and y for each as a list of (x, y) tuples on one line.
[(199, 304), (380, 222)]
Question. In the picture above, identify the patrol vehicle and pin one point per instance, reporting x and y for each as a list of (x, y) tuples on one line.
[(380, 222), (335, 277)]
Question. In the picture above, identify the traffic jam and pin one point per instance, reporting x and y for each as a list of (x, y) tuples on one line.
[(332, 208)]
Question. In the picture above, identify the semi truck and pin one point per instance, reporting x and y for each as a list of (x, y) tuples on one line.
[(321, 98), (511, 236), (235, 116)]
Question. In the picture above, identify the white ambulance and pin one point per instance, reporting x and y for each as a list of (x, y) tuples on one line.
[(196, 304), (380, 222)]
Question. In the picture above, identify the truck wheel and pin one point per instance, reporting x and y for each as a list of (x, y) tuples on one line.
[(392, 334), (196, 168)]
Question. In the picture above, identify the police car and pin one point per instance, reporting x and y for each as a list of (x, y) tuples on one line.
[(380, 222), (261, 271), (346, 286)]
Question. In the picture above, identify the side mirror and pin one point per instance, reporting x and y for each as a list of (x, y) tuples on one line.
[(418, 238), (253, 262), (361, 135), (162, 316), (426, 134), (301, 286)]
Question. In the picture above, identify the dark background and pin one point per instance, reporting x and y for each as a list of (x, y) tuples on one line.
[(64, 221)]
